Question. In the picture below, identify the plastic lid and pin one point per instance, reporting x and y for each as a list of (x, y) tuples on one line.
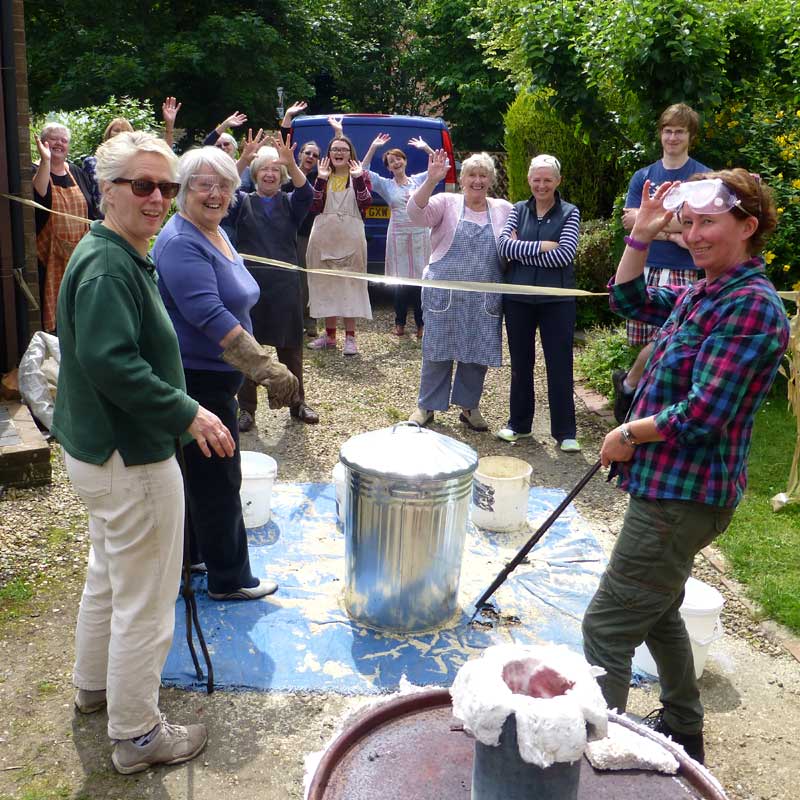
[(406, 451), (701, 598)]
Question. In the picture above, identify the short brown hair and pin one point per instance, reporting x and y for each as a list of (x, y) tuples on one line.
[(347, 141), (680, 114), (756, 201), (396, 152)]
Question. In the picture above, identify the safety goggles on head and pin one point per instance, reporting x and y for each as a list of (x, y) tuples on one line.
[(708, 196), (207, 183)]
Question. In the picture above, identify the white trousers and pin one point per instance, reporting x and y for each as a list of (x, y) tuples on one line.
[(127, 611)]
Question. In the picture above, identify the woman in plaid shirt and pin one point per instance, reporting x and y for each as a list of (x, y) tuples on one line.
[(682, 454)]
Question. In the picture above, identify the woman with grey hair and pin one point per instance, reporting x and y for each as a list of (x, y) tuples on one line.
[(121, 405), (540, 240), (265, 223), (460, 327), (208, 294), (64, 188)]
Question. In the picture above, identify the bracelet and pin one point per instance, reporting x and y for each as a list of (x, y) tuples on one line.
[(626, 437), (636, 244)]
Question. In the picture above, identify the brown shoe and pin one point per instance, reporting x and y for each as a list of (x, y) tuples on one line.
[(173, 744), (473, 419), (399, 330), (304, 413), (420, 331), (246, 421)]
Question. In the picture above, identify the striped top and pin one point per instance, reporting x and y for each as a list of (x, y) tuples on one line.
[(529, 252), (714, 359)]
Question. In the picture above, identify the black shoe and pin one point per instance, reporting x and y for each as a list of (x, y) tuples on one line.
[(622, 400), (692, 743)]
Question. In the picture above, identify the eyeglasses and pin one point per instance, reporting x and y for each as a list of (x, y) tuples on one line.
[(340, 149), (144, 188), (316, 155), (207, 183), (709, 196)]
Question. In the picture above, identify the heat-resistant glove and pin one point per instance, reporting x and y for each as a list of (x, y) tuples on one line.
[(248, 356)]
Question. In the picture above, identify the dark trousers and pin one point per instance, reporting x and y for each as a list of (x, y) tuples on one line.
[(405, 296), (639, 600), (292, 357), (216, 526), (556, 325)]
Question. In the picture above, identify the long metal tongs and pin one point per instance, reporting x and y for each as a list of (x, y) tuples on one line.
[(189, 600), (481, 604)]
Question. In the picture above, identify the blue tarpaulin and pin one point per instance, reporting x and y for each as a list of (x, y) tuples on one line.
[(302, 638)]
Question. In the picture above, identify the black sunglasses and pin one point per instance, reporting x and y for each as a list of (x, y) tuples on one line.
[(143, 188)]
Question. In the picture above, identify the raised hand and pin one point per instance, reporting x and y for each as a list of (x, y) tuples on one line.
[(652, 216), (380, 140), (250, 143), (324, 168), (285, 149), (356, 168), (235, 120), (43, 148), (335, 121), (420, 144), (438, 165), (169, 110), (296, 108)]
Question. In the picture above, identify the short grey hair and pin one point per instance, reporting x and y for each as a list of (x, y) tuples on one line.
[(226, 137), (544, 160), (478, 161), (53, 127), (265, 156), (115, 155), (192, 162)]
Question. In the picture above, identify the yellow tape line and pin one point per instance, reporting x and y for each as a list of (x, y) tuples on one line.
[(463, 286)]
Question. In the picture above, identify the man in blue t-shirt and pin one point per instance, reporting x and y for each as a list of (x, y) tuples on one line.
[(668, 260)]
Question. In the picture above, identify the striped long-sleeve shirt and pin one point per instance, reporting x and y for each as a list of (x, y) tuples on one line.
[(714, 360), (529, 252)]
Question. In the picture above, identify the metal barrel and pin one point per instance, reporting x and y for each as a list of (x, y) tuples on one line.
[(499, 773), (404, 542)]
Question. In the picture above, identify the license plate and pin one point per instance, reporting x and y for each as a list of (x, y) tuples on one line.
[(378, 212)]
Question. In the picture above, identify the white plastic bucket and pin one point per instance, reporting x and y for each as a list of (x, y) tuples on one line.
[(700, 611), (258, 473), (338, 474), (500, 489)]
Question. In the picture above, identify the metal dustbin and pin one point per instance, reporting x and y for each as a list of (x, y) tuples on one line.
[(405, 513)]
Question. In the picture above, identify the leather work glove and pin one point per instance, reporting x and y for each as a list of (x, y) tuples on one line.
[(248, 356)]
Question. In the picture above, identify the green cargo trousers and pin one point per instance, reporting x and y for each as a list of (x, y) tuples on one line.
[(639, 599)]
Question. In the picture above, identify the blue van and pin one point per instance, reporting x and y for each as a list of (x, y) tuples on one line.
[(362, 130)]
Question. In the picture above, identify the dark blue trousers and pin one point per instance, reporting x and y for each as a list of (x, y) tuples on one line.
[(216, 525), (556, 325)]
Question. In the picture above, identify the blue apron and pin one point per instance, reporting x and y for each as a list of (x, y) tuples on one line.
[(465, 326)]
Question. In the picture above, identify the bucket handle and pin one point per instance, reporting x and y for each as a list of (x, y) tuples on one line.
[(406, 424)]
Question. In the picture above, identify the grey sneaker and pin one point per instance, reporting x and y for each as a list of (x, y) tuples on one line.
[(473, 419), (262, 589), (173, 744), (87, 701), (422, 417)]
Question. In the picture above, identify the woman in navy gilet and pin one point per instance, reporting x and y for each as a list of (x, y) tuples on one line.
[(539, 241)]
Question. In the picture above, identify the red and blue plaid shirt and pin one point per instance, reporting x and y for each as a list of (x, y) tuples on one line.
[(714, 359)]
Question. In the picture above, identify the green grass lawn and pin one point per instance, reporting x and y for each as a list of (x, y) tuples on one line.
[(763, 546)]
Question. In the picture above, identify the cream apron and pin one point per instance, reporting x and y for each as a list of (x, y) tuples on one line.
[(338, 242)]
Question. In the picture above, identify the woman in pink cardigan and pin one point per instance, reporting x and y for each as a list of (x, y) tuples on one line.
[(460, 327)]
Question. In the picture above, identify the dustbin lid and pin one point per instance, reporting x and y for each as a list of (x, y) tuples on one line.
[(407, 452)]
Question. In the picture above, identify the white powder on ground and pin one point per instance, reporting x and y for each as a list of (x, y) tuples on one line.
[(626, 749), (549, 728)]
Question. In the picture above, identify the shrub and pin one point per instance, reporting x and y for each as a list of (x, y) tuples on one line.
[(595, 262), (532, 127), (88, 124), (606, 350)]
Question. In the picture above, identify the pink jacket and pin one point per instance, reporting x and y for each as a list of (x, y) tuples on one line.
[(442, 213)]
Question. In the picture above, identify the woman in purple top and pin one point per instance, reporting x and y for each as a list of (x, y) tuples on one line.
[(208, 294)]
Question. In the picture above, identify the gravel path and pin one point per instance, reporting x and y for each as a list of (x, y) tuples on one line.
[(751, 688)]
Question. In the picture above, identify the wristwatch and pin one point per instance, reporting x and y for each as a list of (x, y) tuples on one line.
[(626, 437)]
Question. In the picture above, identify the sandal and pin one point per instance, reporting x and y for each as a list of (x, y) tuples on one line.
[(304, 413)]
